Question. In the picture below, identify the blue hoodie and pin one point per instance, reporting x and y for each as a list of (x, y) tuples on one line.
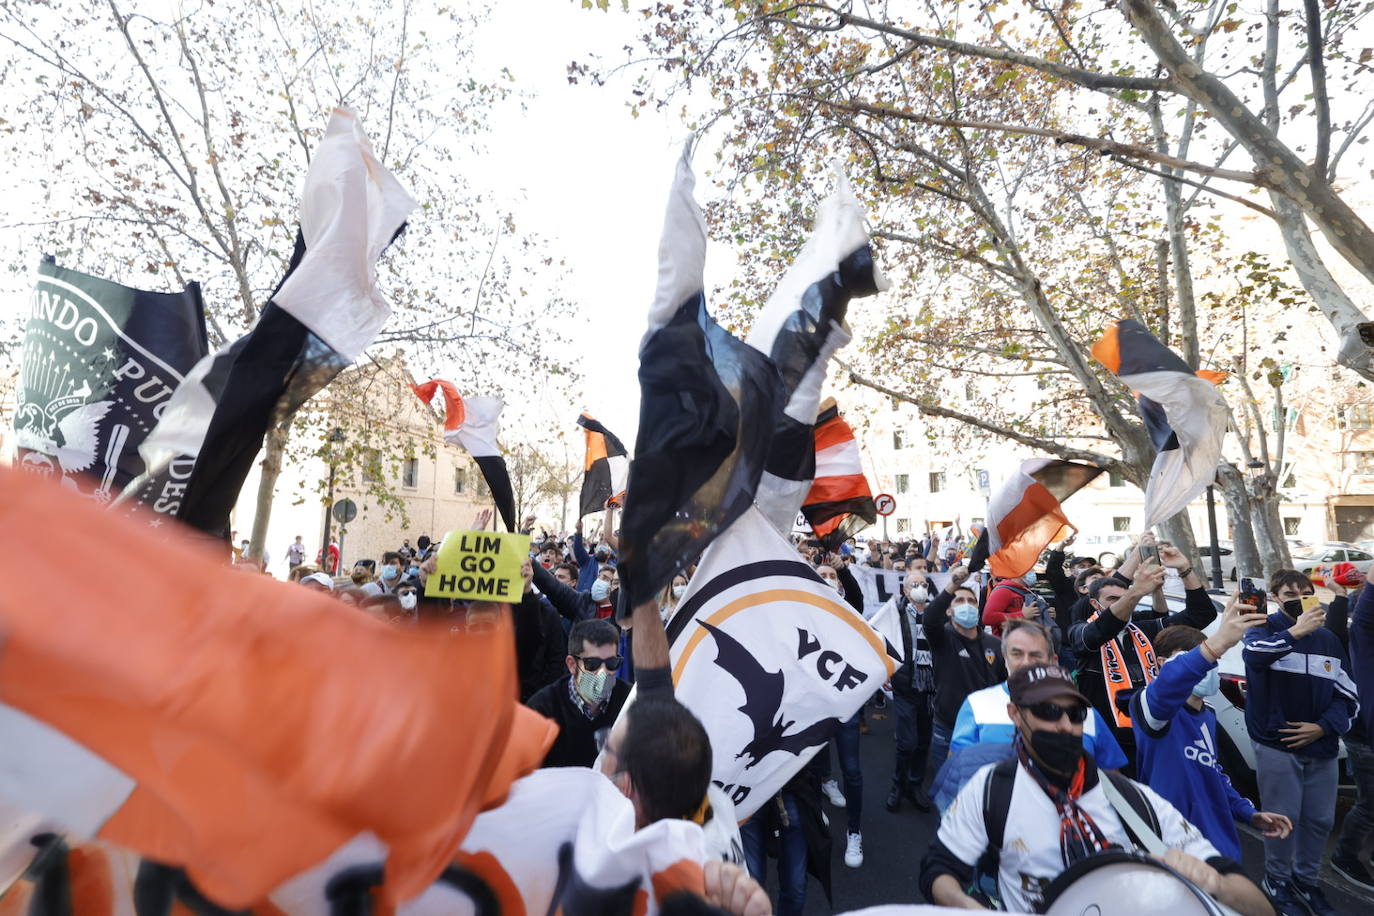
[(1297, 680), (1176, 752)]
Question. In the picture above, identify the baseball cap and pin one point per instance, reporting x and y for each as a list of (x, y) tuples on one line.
[(319, 578), (1041, 682)]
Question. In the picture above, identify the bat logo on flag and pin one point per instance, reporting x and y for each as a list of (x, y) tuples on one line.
[(763, 691)]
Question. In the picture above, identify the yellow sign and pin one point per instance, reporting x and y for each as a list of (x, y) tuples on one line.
[(479, 566)]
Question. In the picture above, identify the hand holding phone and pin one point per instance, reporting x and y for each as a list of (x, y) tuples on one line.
[(1149, 553), (1250, 594)]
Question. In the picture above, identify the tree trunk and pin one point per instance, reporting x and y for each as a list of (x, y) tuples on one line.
[(1239, 513), (1273, 548), (274, 447)]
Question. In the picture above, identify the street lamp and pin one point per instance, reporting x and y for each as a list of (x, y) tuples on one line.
[(335, 435)]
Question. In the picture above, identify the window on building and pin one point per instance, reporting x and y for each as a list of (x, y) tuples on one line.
[(937, 481), (977, 521), (1290, 525), (1361, 462), (903, 525), (1121, 523), (897, 440), (903, 483), (410, 473), (371, 459), (1115, 480), (1360, 416), (970, 391), (460, 479), (1290, 481)]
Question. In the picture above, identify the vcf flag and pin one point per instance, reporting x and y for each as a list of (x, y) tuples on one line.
[(324, 313), (100, 363), (474, 424), (770, 658), (584, 858), (800, 327), (1182, 409), (840, 502), (1025, 515), (607, 467), (708, 407), (236, 727)]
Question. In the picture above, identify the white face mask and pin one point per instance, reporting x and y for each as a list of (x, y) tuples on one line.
[(408, 601), (679, 591), (919, 594)]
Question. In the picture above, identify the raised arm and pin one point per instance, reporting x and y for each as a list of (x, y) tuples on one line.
[(579, 549), (852, 593), (564, 600), (609, 527)]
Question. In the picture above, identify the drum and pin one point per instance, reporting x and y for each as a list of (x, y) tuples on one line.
[(1118, 883)]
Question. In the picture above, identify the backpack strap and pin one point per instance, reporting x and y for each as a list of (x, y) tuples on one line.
[(996, 804), (1136, 813)]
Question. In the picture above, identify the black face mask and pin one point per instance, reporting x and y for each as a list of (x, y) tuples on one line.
[(1057, 753), (1293, 608)]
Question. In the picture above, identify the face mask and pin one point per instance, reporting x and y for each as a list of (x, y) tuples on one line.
[(839, 586), (1293, 608), (679, 591), (390, 572), (1029, 578), (593, 686), (919, 594), (966, 615), (413, 571), (1057, 752), (1209, 685), (600, 589), (408, 601), (602, 557)]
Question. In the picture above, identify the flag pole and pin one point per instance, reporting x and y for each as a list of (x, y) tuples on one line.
[(1212, 536)]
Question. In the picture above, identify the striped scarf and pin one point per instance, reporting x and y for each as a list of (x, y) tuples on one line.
[(1124, 670), (1079, 835)]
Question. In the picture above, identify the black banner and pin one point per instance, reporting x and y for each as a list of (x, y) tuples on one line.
[(100, 362)]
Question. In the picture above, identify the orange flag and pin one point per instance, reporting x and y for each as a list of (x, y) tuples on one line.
[(263, 725)]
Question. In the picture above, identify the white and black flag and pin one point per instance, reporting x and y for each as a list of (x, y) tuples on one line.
[(99, 366), (324, 313), (770, 658)]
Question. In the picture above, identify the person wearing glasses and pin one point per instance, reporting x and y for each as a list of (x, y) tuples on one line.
[(589, 699), (1051, 781)]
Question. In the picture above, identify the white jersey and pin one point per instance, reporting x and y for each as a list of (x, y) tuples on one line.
[(1031, 858)]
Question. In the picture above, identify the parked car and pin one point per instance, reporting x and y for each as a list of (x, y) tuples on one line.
[(1331, 553), (1228, 560)]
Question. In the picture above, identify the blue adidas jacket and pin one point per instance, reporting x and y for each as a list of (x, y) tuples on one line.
[(1176, 753), (1302, 680)]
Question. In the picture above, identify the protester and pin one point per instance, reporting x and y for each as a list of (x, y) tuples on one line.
[(1176, 733), (589, 565), (1116, 640), (1300, 700), (295, 555), (588, 699), (540, 646), (965, 658), (1012, 599), (983, 731), (318, 581), (913, 696), (1052, 781), (1354, 632), (574, 604)]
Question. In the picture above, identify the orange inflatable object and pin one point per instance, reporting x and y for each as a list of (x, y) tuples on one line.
[(265, 725)]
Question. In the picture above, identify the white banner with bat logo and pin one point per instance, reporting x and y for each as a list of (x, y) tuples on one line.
[(770, 658)]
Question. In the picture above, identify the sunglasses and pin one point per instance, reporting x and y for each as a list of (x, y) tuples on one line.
[(591, 663), (1051, 712)]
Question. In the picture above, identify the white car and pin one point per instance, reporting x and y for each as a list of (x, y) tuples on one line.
[(1329, 554)]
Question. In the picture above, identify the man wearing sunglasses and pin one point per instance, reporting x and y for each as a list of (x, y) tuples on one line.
[(1051, 781), (589, 699)]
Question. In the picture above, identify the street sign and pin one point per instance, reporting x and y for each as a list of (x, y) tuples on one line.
[(345, 511), (885, 504), (985, 482)]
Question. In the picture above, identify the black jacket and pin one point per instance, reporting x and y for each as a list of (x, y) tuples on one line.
[(540, 645), (961, 665), (569, 602), (575, 745), (1065, 595)]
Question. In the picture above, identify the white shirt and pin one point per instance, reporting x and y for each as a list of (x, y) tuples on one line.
[(1031, 858)]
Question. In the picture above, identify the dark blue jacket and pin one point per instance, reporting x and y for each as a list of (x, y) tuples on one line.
[(1356, 633), (1302, 680)]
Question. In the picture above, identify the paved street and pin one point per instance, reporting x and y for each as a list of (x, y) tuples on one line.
[(895, 843)]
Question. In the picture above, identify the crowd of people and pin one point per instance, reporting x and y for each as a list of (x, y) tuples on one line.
[(1021, 702)]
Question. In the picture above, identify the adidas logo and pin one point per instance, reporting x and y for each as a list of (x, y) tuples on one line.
[(1202, 751)]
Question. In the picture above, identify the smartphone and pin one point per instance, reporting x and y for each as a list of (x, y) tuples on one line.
[(1149, 553), (1310, 601), (1251, 595)]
